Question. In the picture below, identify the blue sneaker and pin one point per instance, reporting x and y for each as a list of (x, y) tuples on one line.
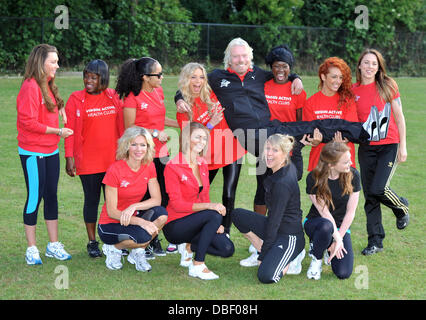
[(56, 250), (32, 256)]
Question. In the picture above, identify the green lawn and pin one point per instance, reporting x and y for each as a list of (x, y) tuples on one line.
[(396, 273)]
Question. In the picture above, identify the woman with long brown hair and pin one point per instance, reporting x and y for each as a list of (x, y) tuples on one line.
[(378, 97), (38, 105), (333, 187)]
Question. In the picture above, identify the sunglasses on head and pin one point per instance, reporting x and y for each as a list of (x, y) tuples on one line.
[(154, 75)]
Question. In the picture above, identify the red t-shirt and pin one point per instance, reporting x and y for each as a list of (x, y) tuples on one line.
[(281, 102), (150, 114), (366, 96), (99, 132), (183, 188), (131, 186), (33, 118), (223, 147), (320, 106)]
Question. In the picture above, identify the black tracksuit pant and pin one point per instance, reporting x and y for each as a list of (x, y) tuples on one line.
[(377, 165)]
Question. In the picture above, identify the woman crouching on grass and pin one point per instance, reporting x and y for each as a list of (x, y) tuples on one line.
[(193, 219), (333, 187), (126, 222), (279, 236)]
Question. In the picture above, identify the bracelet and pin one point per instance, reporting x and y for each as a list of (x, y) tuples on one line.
[(60, 132), (209, 125)]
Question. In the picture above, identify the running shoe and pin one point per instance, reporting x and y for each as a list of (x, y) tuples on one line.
[(32, 256), (56, 250)]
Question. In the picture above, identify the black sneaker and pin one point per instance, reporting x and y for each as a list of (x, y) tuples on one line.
[(369, 250), (93, 249), (402, 222), (155, 248)]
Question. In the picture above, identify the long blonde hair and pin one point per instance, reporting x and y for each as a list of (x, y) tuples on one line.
[(386, 86), (184, 87), (35, 69)]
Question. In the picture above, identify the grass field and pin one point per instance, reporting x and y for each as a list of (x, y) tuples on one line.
[(396, 273)]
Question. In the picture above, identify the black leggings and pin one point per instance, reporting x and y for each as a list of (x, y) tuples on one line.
[(92, 185), (41, 178), (231, 174), (285, 249), (320, 233), (199, 229)]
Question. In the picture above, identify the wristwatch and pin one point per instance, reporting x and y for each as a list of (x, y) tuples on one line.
[(155, 133)]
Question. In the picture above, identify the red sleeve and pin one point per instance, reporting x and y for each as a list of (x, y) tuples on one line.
[(28, 105), (352, 114), (112, 176), (307, 110), (301, 100), (174, 190), (70, 111), (130, 101), (152, 171), (181, 118)]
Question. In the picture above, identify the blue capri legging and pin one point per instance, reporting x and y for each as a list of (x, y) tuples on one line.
[(199, 229), (41, 173), (113, 233)]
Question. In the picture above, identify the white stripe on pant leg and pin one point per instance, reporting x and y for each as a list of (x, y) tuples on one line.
[(285, 258)]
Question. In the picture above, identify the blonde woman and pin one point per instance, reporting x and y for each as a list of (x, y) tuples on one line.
[(224, 150), (277, 237), (126, 222)]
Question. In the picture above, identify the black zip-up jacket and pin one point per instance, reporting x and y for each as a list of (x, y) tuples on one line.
[(282, 198)]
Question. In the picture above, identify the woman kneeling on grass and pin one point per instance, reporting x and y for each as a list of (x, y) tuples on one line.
[(278, 237), (193, 219), (333, 187), (125, 221)]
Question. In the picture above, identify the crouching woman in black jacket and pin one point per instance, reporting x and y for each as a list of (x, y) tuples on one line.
[(278, 238)]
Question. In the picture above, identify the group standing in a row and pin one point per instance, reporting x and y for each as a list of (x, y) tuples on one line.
[(221, 115)]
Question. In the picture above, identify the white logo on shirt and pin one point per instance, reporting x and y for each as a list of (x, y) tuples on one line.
[(144, 105), (78, 113), (357, 98), (184, 178), (224, 83), (124, 184), (252, 77)]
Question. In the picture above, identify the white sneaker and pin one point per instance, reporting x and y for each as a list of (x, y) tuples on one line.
[(137, 257), (315, 268), (56, 250), (252, 249), (186, 257), (197, 272), (295, 266), (113, 257), (250, 261), (326, 257), (32, 256)]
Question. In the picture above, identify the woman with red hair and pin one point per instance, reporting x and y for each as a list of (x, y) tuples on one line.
[(335, 100)]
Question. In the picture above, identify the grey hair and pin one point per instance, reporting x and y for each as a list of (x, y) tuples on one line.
[(233, 43), (128, 137)]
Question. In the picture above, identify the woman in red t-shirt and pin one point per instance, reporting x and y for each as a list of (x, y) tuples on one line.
[(192, 219), (376, 92), (95, 115), (224, 150), (38, 105), (335, 100), (285, 107), (126, 222), (139, 84)]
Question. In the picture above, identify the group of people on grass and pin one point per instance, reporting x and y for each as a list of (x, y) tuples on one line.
[(115, 141)]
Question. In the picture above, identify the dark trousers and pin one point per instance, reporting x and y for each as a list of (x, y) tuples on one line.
[(377, 165), (41, 178), (231, 174), (92, 186), (285, 249), (320, 233), (199, 229)]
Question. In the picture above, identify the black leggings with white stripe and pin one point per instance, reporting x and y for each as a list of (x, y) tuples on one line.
[(285, 249)]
